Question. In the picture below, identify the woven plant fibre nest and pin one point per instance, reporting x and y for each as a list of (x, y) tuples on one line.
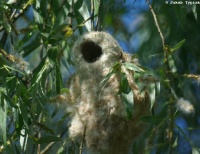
[(98, 115)]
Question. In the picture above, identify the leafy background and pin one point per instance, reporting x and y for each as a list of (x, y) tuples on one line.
[(35, 64)]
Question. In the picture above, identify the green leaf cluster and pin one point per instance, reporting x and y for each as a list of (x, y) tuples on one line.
[(36, 40)]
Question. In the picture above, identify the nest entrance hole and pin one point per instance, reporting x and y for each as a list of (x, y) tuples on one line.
[(91, 51)]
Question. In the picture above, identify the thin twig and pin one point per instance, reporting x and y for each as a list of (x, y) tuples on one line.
[(157, 25), (92, 9), (83, 138), (166, 50), (13, 14), (48, 147), (83, 22)]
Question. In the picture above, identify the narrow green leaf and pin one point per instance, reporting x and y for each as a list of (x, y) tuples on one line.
[(25, 113), (3, 116), (62, 15), (44, 8), (61, 150), (132, 67), (13, 69), (172, 63), (194, 10), (43, 127), (37, 73), (128, 102), (78, 4), (152, 94), (101, 15), (113, 70), (10, 101), (19, 122), (23, 92), (6, 24), (157, 87), (56, 7), (107, 77), (59, 83), (45, 35), (84, 12), (150, 72), (175, 144), (79, 19), (177, 45), (63, 118), (37, 76), (38, 17), (48, 139), (52, 53), (30, 48), (31, 34), (11, 84), (124, 85), (96, 7), (43, 88)]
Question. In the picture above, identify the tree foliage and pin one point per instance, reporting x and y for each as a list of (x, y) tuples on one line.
[(36, 40)]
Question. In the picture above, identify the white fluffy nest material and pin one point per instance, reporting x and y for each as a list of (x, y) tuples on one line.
[(99, 108)]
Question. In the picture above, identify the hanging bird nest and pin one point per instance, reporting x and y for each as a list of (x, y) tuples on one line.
[(98, 113)]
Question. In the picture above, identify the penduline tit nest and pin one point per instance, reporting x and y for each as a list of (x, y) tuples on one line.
[(98, 115)]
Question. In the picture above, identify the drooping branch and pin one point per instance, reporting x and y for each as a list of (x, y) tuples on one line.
[(166, 50)]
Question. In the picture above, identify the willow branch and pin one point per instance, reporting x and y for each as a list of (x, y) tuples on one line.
[(166, 50), (157, 25)]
